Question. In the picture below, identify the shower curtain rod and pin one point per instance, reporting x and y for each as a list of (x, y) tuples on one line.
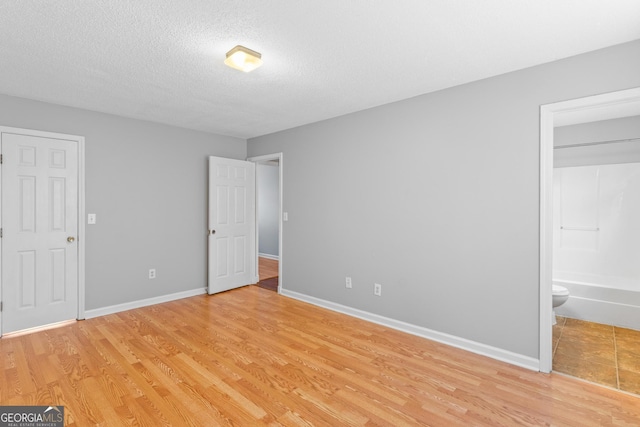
[(586, 144)]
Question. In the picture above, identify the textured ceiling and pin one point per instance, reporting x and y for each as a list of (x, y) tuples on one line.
[(161, 60)]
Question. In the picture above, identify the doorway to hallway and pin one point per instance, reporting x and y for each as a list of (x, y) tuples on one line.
[(269, 218)]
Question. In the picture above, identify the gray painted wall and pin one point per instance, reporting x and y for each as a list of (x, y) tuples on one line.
[(600, 154), (147, 183), (436, 198), (268, 208)]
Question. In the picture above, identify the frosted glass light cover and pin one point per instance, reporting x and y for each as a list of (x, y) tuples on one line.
[(243, 59)]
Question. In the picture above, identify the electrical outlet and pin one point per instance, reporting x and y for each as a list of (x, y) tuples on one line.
[(348, 282), (152, 273), (377, 289)]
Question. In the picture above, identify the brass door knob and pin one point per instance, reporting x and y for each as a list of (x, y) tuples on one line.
[(71, 239)]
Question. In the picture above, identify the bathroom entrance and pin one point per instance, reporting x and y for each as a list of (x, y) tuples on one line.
[(596, 244), (610, 106), (590, 152)]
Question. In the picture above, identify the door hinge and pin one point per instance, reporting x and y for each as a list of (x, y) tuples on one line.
[(0, 159), (0, 305), (0, 233)]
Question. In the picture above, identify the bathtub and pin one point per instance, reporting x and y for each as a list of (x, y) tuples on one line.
[(610, 300)]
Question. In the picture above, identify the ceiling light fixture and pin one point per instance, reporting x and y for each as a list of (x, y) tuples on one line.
[(243, 59)]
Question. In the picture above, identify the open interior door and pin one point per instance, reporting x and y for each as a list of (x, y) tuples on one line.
[(232, 232)]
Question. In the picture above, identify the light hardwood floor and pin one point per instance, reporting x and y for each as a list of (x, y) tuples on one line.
[(267, 268), (252, 357)]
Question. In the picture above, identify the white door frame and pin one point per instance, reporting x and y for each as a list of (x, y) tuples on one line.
[(261, 159), (592, 108), (81, 209)]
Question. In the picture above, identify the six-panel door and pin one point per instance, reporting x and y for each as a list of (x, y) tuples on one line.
[(40, 230), (231, 223)]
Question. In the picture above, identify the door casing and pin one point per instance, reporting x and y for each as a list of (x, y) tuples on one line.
[(592, 108), (81, 209)]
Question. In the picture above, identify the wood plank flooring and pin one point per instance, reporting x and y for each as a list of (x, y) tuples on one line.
[(267, 268), (251, 357), (269, 284)]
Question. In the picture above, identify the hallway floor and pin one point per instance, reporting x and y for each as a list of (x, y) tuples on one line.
[(603, 354), (268, 272), (267, 268)]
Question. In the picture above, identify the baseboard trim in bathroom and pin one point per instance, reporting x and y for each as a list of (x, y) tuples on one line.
[(598, 311), (462, 343)]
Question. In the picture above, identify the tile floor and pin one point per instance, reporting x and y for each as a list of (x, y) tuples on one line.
[(599, 353)]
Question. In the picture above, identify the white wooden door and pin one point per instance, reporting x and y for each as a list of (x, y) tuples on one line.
[(39, 230), (232, 232)]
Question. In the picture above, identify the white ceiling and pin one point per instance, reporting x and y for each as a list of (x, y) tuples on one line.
[(161, 60)]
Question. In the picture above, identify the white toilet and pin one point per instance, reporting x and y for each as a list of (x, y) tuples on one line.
[(560, 296)]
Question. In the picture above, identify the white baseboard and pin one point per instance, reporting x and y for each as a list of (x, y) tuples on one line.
[(609, 313), (462, 343), (269, 256), (96, 312)]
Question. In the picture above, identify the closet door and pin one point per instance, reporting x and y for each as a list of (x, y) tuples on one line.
[(39, 229)]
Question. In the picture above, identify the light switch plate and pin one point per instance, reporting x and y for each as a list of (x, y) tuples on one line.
[(91, 218)]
